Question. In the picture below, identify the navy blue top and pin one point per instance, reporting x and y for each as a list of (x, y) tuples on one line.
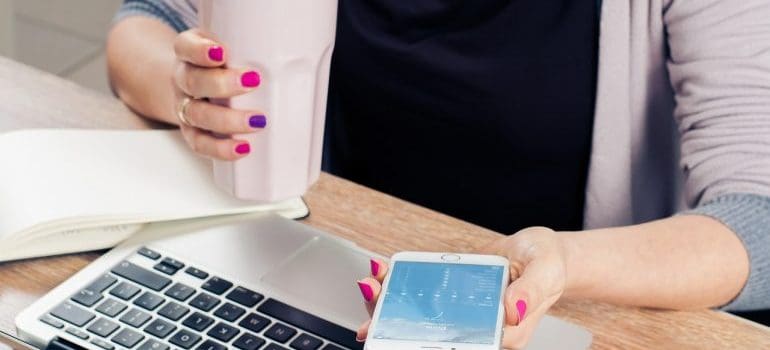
[(479, 109)]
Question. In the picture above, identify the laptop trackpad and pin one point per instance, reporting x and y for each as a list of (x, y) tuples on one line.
[(321, 279)]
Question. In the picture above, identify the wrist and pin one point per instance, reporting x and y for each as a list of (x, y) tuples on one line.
[(576, 262)]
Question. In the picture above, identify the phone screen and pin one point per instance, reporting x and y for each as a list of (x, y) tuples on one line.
[(439, 302)]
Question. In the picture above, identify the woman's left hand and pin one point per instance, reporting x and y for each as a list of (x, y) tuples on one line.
[(537, 258), (538, 279)]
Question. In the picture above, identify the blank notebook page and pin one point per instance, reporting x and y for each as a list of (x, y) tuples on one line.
[(103, 175)]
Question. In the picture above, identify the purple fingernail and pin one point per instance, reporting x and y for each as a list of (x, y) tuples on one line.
[(216, 53), (250, 79), (257, 121)]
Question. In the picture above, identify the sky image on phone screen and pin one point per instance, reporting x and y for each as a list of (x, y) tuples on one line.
[(438, 302)]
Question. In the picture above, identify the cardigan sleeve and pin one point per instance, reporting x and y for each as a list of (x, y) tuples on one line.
[(178, 14), (719, 66)]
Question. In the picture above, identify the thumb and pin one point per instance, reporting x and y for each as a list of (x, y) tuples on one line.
[(528, 292)]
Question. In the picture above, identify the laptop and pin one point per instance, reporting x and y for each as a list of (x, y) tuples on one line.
[(248, 282)]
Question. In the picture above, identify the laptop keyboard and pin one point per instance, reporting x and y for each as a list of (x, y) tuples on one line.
[(133, 307)]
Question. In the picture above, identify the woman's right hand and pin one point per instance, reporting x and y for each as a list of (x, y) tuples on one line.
[(201, 74)]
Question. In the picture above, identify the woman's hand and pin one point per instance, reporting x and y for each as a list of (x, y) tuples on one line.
[(538, 275), (201, 74), (538, 265)]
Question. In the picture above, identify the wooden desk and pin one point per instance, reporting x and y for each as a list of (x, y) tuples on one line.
[(33, 99)]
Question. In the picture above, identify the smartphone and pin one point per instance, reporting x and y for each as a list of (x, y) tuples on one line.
[(440, 301)]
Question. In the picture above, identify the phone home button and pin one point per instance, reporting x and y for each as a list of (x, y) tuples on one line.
[(450, 257)]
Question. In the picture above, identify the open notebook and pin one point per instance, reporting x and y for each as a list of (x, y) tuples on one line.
[(64, 191)]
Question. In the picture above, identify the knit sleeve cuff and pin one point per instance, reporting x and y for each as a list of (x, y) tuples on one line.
[(748, 216), (157, 9)]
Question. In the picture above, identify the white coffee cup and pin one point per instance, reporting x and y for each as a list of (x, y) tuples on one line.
[(289, 43)]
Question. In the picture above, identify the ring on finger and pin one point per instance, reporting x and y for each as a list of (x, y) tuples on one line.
[(181, 111)]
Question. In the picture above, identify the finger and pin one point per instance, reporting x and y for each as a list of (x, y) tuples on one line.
[(517, 337), (370, 291), (379, 269), (215, 82), (363, 331), (223, 120), (198, 48), (207, 145)]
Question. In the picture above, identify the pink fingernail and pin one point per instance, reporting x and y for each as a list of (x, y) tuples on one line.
[(375, 266), (521, 306), (366, 291), (243, 148), (250, 79), (216, 53)]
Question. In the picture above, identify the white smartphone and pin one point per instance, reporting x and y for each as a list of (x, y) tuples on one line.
[(440, 301)]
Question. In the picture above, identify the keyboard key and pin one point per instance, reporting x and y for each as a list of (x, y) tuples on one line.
[(197, 273), (198, 321), (165, 269), (217, 285), (254, 323), (141, 275), (280, 332), (47, 319), (103, 327), (310, 323), (332, 347), (173, 311), (135, 318), (102, 344), (149, 253), (149, 301), (306, 342), (127, 338), (111, 307), (125, 290), (211, 345), (180, 291), (229, 312), (78, 333), (102, 283), (176, 264), (160, 328), (72, 314), (223, 332), (249, 342), (274, 346), (204, 301), (245, 297), (185, 339), (87, 297), (153, 344)]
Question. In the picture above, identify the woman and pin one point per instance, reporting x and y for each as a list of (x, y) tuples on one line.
[(516, 113)]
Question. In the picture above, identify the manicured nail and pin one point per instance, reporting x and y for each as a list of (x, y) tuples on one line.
[(521, 306), (366, 291), (360, 340), (250, 79), (243, 148), (257, 121), (216, 53), (375, 266)]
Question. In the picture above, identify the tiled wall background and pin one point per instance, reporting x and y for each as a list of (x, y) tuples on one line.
[(64, 37)]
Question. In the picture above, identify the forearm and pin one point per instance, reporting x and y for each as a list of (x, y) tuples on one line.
[(683, 262), (141, 63)]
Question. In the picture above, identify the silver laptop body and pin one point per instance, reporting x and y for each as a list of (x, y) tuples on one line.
[(251, 282)]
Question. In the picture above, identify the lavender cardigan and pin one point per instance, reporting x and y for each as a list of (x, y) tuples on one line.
[(682, 120)]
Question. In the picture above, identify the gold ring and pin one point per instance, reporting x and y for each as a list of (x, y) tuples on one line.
[(181, 111)]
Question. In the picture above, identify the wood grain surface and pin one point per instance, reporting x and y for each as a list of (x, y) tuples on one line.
[(381, 223)]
